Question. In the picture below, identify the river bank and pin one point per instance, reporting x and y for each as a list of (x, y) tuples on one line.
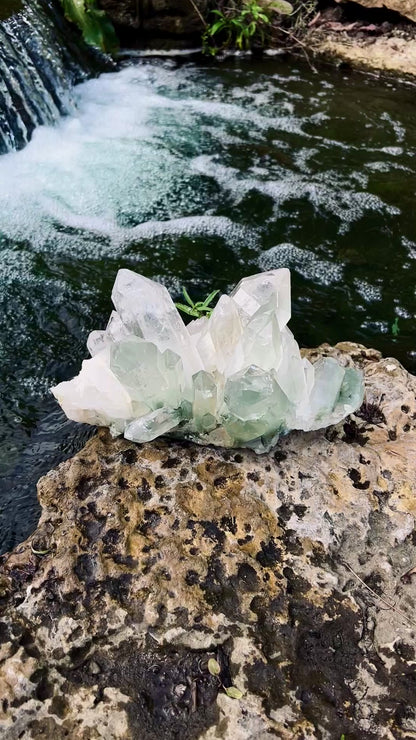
[(371, 40)]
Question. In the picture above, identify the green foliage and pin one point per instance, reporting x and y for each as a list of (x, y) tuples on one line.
[(241, 25), (97, 29), (395, 327), (199, 309)]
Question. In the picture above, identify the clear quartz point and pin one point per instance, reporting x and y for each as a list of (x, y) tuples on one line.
[(147, 310), (235, 378), (153, 425), (204, 408), (255, 291)]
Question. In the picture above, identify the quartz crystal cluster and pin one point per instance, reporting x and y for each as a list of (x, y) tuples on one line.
[(235, 378)]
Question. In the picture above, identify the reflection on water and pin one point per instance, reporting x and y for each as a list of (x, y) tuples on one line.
[(197, 176)]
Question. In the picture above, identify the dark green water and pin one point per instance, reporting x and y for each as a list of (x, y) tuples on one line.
[(198, 176)]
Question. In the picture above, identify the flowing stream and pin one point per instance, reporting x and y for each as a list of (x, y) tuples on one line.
[(40, 59), (197, 175)]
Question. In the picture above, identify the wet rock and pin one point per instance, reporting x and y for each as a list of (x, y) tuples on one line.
[(293, 570)]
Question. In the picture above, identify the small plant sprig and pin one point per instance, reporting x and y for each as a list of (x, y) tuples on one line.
[(214, 669), (395, 330), (198, 309), (240, 26)]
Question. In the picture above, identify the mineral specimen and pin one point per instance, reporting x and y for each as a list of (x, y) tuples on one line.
[(235, 378)]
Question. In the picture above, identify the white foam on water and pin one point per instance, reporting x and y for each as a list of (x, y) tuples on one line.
[(403, 312), (302, 155), (303, 262), (370, 293), (168, 53), (326, 191), (378, 166), (410, 246), (16, 266), (395, 151), (398, 129), (123, 166), (102, 171), (319, 117), (377, 327)]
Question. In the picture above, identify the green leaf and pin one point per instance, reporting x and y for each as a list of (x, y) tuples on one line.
[(187, 297), (187, 309), (214, 667), (233, 692), (395, 327), (218, 26), (97, 29), (210, 298), (75, 11)]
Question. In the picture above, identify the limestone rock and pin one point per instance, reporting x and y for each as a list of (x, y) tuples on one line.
[(150, 559), (390, 54)]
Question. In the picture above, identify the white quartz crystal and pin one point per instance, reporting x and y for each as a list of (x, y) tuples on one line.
[(235, 379)]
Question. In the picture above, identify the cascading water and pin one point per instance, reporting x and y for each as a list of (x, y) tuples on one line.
[(40, 60)]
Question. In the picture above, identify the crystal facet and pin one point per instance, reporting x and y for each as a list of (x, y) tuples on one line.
[(235, 379)]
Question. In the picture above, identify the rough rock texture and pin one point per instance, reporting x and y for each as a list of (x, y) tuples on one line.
[(155, 17), (283, 566), (385, 53), (406, 8)]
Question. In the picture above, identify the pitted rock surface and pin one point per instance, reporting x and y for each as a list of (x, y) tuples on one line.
[(292, 569)]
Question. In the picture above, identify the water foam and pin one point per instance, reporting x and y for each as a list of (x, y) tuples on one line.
[(303, 262)]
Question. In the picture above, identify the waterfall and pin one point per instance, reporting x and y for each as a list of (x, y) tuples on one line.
[(41, 57)]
